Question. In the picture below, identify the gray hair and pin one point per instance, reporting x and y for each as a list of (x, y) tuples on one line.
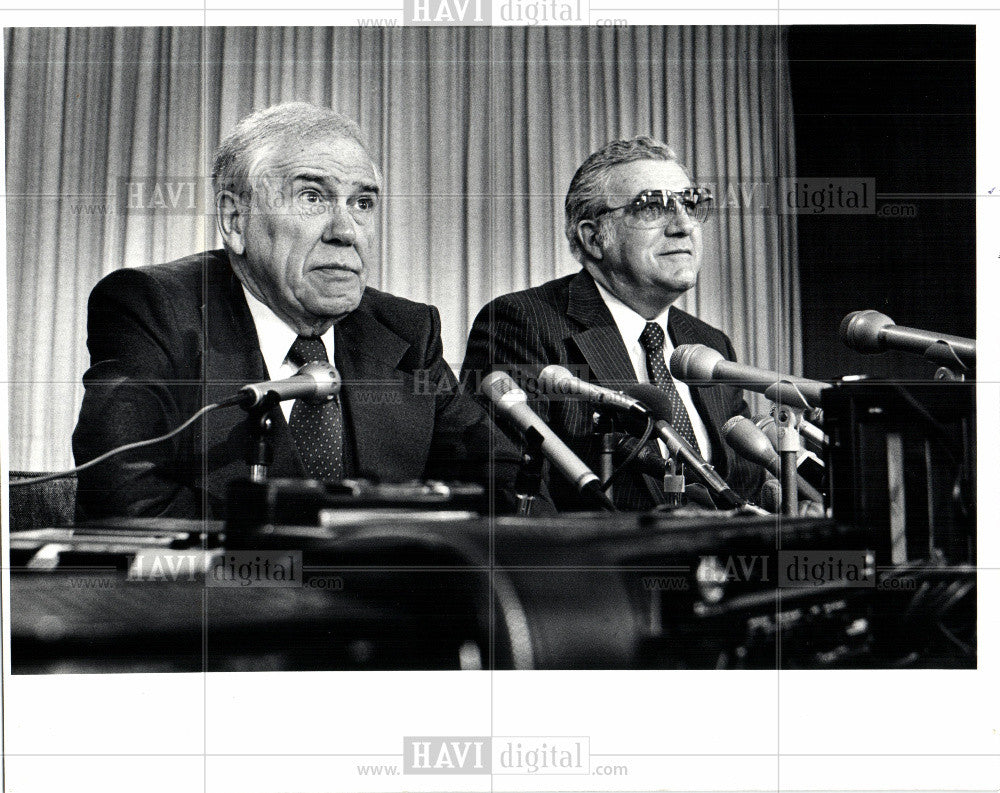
[(261, 132), (588, 189)]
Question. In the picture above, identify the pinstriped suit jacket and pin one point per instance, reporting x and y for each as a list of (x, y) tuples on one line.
[(566, 322)]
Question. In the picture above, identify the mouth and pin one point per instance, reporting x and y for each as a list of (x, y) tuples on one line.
[(336, 267), (679, 252)]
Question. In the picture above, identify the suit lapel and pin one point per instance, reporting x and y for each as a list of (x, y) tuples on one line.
[(233, 359), (384, 419), (603, 348), (232, 351), (599, 342)]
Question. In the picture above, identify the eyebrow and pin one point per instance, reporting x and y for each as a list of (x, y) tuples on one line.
[(320, 179)]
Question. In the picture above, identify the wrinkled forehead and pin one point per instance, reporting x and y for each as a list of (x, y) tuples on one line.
[(627, 180), (335, 159)]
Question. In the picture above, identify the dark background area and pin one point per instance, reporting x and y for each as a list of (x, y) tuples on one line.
[(897, 104)]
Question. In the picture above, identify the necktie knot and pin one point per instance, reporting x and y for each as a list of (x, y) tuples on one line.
[(652, 338), (307, 349)]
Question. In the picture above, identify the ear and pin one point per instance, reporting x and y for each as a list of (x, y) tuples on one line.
[(231, 215), (588, 234)]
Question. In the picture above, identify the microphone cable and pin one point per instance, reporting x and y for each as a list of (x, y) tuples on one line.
[(230, 402), (620, 470)]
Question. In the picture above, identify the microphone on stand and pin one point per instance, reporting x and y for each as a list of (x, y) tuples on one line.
[(634, 417), (750, 442), (558, 380), (698, 365), (682, 451), (512, 402), (873, 332), (315, 382), (811, 466)]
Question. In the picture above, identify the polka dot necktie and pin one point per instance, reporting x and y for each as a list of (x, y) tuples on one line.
[(652, 339), (318, 430)]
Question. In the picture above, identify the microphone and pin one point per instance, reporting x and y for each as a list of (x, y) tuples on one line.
[(811, 468), (814, 437), (699, 365), (316, 382), (512, 402), (750, 442), (559, 380), (647, 461), (680, 449), (872, 332)]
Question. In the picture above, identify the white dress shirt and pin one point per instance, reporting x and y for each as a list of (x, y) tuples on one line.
[(276, 339), (630, 326)]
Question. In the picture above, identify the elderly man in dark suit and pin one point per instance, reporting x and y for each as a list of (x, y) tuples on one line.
[(634, 221), (297, 197)]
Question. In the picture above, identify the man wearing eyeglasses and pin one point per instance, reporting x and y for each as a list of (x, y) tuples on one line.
[(634, 221)]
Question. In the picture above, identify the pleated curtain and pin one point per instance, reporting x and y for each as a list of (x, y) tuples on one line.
[(477, 132)]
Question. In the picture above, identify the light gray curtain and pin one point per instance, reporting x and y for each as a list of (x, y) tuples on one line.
[(478, 130)]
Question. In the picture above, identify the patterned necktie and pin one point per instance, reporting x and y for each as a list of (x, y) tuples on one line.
[(318, 430), (652, 340)]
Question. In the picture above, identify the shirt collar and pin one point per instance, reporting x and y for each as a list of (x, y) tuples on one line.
[(630, 323), (275, 337)]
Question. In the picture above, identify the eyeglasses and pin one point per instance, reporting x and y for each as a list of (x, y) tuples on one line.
[(653, 208)]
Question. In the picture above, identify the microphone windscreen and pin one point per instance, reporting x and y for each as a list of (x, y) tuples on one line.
[(748, 440), (694, 362), (653, 397), (327, 380), (860, 330), (770, 496), (554, 374), (498, 385)]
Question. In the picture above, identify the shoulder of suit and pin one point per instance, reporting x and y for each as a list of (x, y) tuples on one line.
[(187, 274), (551, 293), (397, 313), (709, 333), (677, 315)]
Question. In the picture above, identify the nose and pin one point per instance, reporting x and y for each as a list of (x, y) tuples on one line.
[(340, 228), (681, 224)]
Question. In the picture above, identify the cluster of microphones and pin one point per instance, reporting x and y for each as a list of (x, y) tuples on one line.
[(787, 441)]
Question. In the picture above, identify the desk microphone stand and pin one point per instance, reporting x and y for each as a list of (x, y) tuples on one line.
[(787, 421), (673, 484), (260, 427), (604, 426), (529, 476)]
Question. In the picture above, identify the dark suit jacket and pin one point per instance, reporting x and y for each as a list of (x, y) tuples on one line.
[(167, 339), (566, 322)]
